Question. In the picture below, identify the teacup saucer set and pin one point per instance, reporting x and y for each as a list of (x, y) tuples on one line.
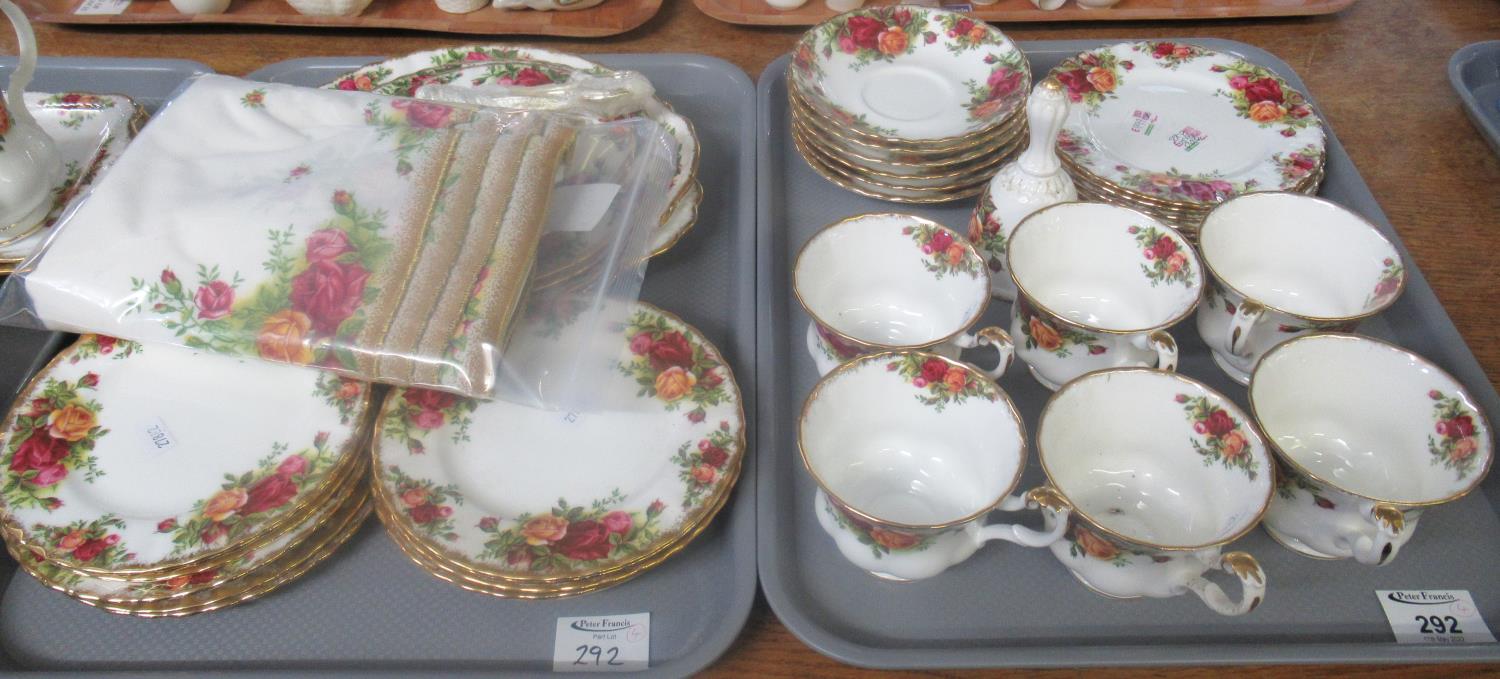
[(1163, 181)]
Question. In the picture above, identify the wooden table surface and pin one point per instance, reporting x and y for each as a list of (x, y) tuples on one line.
[(1378, 70)]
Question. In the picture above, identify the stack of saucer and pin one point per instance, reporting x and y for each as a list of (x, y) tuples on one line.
[(164, 482), (1174, 129), (908, 104), (512, 501)]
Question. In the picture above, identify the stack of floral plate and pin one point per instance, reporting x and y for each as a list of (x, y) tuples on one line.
[(908, 104), (490, 65), (158, 481), (518, 502), (1173, 129)]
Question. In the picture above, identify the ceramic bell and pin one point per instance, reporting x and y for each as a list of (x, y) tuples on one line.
[(29, 164), (1023, 186)]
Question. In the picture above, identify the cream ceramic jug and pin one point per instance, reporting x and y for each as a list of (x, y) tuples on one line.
[(29, 164)]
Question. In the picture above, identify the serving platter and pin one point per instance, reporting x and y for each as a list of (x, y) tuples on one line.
[(610, 18), (1314, 611), (758, 12)]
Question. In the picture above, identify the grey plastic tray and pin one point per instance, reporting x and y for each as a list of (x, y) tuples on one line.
[(369, 609), (1012, 606), (1474, 71)]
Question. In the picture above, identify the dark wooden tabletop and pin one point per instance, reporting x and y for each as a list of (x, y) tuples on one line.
[(1377, 69)]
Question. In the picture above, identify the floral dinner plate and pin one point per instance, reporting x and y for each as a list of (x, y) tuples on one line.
[(90, 131), (1185, 124), (119, 461), (534, 495), (478, 65)]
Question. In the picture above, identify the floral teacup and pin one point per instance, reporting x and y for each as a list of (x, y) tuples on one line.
[(1369, 435), (1160, 472), (910, 451), (883, 282), (1285, 264), (1097, 287)]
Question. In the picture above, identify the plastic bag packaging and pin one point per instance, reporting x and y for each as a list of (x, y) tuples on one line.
[(385, 239)]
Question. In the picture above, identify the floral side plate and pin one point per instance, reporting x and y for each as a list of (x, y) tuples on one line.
[(123, 460), (90, 131), (531, 494), (1183, 123), (479, 65), (911, 74)]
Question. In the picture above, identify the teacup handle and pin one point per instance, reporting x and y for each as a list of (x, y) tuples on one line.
[(15, 90), (1252, 584), (1389, 522), (1240, 324), (1026, 537), (1161, 342), (991, 336)]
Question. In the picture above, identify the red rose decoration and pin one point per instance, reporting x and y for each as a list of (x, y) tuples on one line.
[(711, 379), (641, 343), (696, 416), (347, 84), (413, 85), (1077, 82), (41, 450), (268, 493), (1163, 50), (1164, 247), (212, 532), (962, 27), (89, 550), (1323, 502), (329, 293), (1218, 423), (1002, 82), (424, 114), (530, 77), (476, 56), (1461, 426), (1386, 286), (167, 277), (520, 558), (901, 17), (715, 456), (671, 350), (617, 522), (934, 369), (213, 300), (40, 406), (489, 523), (106, 343), (166, 525), (426, 513), (428, 399), (49, 475), (940, 241), (1264, 89), (428, 419), (292, 466), (89, 380), (865, 32), (327, 244), (586, 541)]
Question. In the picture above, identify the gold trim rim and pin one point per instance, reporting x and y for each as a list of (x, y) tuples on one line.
[(853, 185), (986, 165)]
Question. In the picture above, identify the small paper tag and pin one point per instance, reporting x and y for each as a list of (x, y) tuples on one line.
[(1434, 616), (102, 7), (603, 643), (579, 207), (158, 438)]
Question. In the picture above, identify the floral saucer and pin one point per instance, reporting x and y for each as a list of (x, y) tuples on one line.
[(479, 65), (341, 508), (910, 75), (518, 493), (90, 131), (1184, 124), (119, 463), (818, 161)]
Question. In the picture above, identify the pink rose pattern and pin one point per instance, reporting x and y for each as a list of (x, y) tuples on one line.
[(1224, 438), (940, 383), (1260, 96), (87, 543), (1389, 285), (37, 455), (1166, 258), (1288, 482), (322, 289), (572, 538), (1457, 442), (263, 494), (943, 253)]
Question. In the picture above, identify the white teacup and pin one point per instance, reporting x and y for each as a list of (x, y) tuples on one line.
[(1369, 434), (886, 282), (1286, 264), (1160, 472), (910, 451), (1098, 286)]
